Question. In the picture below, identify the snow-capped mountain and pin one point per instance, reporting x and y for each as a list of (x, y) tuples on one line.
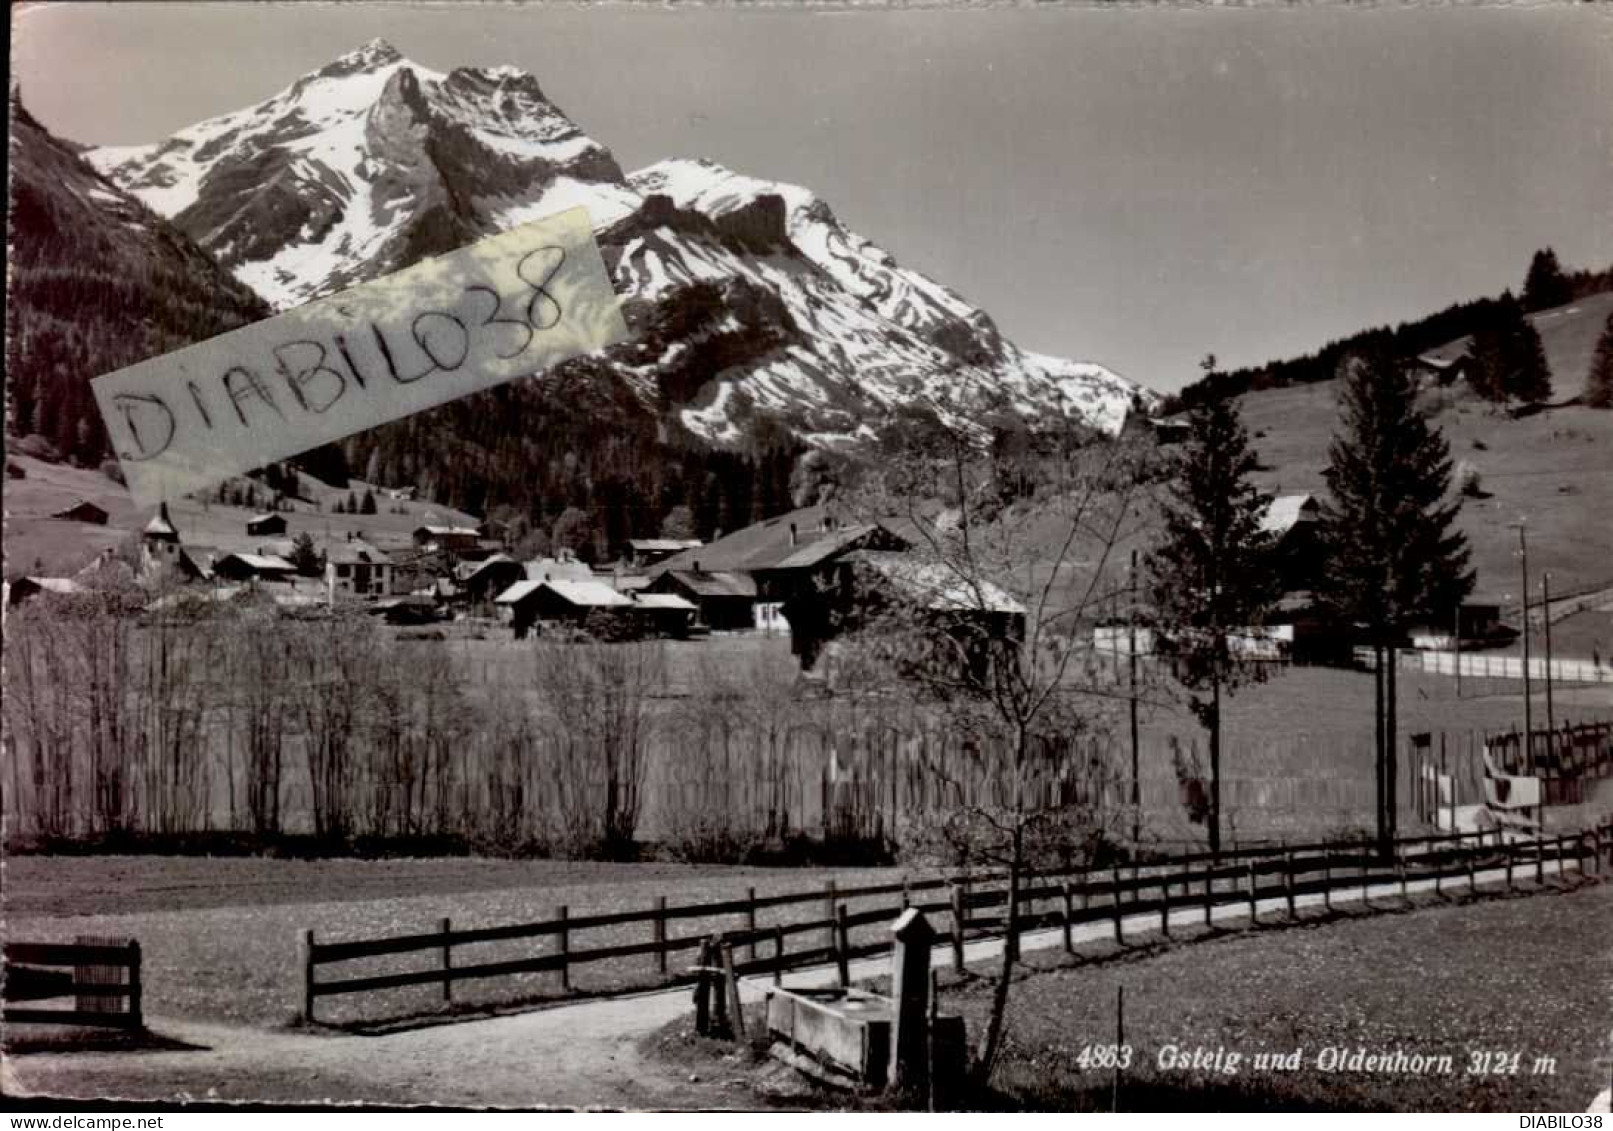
[(745, 294)]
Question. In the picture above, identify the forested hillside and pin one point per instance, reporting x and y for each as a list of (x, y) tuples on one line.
[(98, 282)]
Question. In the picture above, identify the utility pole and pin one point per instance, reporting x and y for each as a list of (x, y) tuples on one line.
[(1545, 612), (1456, 646), (1131, 651), (1528, 711)]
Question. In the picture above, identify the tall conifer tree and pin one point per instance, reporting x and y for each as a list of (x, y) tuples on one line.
[(1213, 573), (1599, 381), (1393, 555)]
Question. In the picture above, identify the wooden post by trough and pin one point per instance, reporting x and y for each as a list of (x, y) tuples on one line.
[(446, 927), (910, 991), (957, 929), (1069, 909), (306, 947), (1115, 904)]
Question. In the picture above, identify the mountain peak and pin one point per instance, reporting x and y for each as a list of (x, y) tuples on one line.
[(374, 55)]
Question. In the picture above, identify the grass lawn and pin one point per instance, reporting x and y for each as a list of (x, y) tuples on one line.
[(37, 543), (220, 936), (1554, 469), (1525, 974)]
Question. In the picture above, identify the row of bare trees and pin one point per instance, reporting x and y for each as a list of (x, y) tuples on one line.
[(127, 717), (129, 720)]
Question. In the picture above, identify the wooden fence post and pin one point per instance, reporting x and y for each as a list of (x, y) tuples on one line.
[(730, 981), (658, 934), (1288, 883), (1119, 931), (1511, 855), (721, 1023), (1366, 902), (1069, 910), (1327, 882), (702, 989), (750, 924), (1400, 874), (1562, 865), (829, 912), (957, 928), (1540, 860), (563, 946), (842, 946), (136, 997), (1472, 870), (907, 894), (446, 927), (1254, 913), (307, 948), (1165, 906), (778, 955), (1209, 891)]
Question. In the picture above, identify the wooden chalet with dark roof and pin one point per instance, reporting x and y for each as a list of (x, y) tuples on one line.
[(785, 559)]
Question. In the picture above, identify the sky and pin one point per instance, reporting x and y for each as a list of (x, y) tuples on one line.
[(1136, 186)]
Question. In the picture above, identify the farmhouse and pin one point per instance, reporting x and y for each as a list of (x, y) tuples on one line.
[(453, 538), (406, 609), (486, 579), (964, 619), (1437, 369), (664, 614), (1294, 522), (725, 600), (563, 601), (266, 525), (253, 567), (1478, 621), (83, 511), (355, 566)]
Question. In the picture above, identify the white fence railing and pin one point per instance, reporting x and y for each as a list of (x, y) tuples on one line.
[(1483, 665)]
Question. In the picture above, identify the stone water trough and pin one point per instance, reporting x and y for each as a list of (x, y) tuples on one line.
[(846, 1032)]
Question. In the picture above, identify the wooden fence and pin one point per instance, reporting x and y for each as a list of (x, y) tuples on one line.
[(971, 905), (100, 969), (1448, 774)]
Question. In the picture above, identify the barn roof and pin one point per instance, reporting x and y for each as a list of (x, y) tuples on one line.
[(589, 594), (771, 544), (1286, 512), (356, 551), (937, 585), (583, 594), (60, 585), (82, 506), (263, 563), (663, 545), (715, 584), (663, 601)]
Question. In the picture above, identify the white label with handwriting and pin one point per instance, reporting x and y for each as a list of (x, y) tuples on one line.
[(512, 305)]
